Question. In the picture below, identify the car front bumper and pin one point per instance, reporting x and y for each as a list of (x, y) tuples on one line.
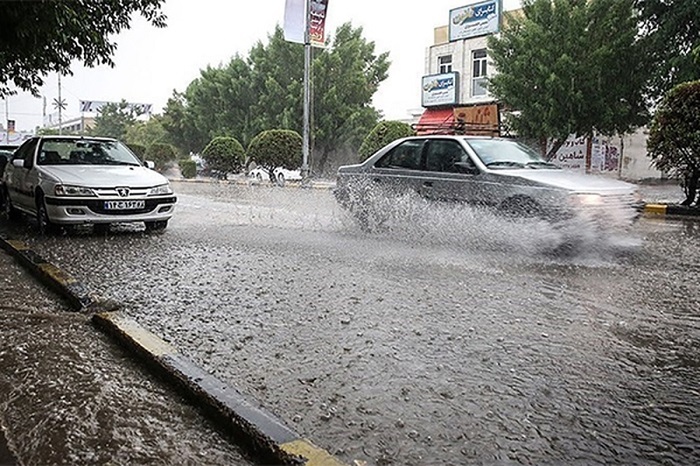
[(76, 211)]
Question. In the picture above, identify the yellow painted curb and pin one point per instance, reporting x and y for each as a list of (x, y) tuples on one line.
[(314, 456), (139, 335), (658, 209), (57, 274)]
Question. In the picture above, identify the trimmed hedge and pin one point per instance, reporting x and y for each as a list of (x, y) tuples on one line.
[(381, 135), (188, 168), (276, 148), (162, 154), (224, 155)]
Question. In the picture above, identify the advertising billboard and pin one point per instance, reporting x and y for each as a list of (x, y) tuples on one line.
[(475, 20), (440, 89)]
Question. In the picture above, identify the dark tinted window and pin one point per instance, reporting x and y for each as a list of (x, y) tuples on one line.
[(405, 155), (442, 155), (26, 152)]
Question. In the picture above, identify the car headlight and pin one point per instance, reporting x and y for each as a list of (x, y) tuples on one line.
[(160, 190), (583, 199), (74, 191)]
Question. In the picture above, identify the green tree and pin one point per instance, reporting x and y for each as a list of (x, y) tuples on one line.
[(138, 149), (276, 148), (161, 154), (570, 67), (671, 40), (44, 36), (113, 120), (178, 125), (265, 91), (381, 135), (674, 137), (224, 155), (146, 132)]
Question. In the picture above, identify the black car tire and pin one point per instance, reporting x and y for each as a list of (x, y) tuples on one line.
[(156, 226), (521, 206), (10, 212), (100, 228), (280, 179), (43, 221)]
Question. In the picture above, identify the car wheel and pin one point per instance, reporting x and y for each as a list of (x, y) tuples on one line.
[(42, 217), (258, 177), (156, 226), (10, 212), (280, 179)]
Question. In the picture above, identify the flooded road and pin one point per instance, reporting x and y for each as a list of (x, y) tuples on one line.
[(68, 396), (449, 337)]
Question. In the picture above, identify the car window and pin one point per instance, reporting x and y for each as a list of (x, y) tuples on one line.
[(85, 152), (26, 152), (505, 153), (405, 155), (444, 155)]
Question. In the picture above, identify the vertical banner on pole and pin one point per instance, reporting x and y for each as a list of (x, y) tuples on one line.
[(317, 22), (294, 19)]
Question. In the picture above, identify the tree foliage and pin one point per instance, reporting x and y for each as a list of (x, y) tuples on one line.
[(41, 36), (671, 40), (381, 135), (224, 155), (161, 154), (146, 132), (570, 67), (114, 120), (265, 91), (276, 148), (674, 136)]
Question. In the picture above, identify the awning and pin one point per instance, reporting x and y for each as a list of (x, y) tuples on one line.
[(436, 121)]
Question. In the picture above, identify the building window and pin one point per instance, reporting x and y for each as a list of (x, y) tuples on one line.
[(479, 73), (445, 64)]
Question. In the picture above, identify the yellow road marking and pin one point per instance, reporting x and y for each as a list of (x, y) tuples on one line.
[(314, 455), (655, 209)]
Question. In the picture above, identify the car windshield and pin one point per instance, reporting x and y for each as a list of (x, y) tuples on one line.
[(85, 152), (499, 153)]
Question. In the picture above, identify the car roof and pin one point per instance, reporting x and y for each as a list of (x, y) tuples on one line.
[(75, 138)]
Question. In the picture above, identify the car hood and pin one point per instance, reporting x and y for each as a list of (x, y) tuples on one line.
[(97, 176), (570, 181)]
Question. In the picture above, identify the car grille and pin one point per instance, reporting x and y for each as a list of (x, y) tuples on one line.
[(97, 205)]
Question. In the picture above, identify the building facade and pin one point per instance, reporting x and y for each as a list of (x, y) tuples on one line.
[(455, 97)]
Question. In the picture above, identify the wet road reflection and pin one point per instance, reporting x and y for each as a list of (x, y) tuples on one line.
[(69, 396), (447, 339)]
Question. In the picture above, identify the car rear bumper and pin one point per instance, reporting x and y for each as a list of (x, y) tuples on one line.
[(79, 211)]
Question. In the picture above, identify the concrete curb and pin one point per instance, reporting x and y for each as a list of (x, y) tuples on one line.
[(266, 436), (671, 209)]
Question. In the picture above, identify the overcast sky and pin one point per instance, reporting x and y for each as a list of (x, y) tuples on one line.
[(150, 63)]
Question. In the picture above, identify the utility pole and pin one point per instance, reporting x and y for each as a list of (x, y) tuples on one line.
[(59, 105), (307, 97)]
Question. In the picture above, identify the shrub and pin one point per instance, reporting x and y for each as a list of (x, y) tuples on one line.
[(674, 137), (224, 155), (161, 154), (138, 149), (276, 148), (381, 135), (188, 168)]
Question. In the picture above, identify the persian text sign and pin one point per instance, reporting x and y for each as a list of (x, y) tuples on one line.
[(479, 119), (440, 89), (572, 154), (475, 20), (317, 22)]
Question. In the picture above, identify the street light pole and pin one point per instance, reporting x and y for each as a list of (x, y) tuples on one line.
[(307, 98)]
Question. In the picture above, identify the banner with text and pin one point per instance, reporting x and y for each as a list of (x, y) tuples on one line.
[(295, 18)]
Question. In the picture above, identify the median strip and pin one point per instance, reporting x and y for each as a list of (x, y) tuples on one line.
[(265, 435)]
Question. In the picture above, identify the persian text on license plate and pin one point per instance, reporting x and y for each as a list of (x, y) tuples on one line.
[(125, 205)]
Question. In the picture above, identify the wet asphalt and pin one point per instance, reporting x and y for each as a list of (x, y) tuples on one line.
[(449, 337)]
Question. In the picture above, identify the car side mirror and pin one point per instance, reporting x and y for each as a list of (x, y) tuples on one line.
[(150, 164), (19, 163), (466, 167)]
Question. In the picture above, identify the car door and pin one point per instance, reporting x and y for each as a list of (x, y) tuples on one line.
[(450, 173), (21, 179), (399, 170)]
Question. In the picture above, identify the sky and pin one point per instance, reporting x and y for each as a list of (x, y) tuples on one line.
[(150, 63)]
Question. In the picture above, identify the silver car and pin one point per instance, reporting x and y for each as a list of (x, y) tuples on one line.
[(495, 172), (73, 180)]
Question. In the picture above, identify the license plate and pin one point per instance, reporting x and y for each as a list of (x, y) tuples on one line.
[(125, 205)]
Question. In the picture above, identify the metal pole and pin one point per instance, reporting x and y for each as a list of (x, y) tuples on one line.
[(307, 98), (60, 122)]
